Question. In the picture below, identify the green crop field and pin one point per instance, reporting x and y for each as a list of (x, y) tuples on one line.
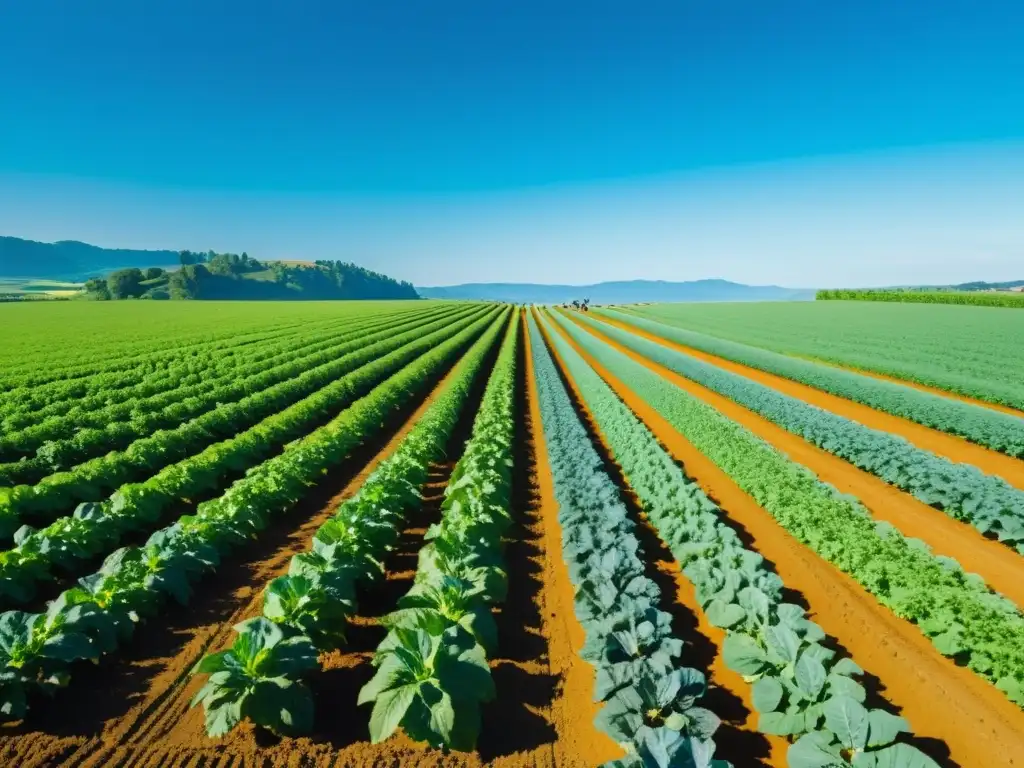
[(974, 351), (462, 533)]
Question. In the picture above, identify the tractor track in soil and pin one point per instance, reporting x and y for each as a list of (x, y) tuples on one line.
[(944, 444), (957, 717), (1000, 566), (728, 695)]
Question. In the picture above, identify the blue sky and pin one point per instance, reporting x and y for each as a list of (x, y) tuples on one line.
[(796, 142)]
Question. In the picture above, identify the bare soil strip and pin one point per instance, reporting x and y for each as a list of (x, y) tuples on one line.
[(728, 696), (959, 718), (1000, 566), (940, 443), (573, 710)]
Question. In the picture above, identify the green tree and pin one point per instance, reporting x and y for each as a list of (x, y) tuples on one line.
[(153, 273), (125, 283)]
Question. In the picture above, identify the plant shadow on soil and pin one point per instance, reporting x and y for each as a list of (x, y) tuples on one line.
[(733, 742), (936, 749), (520, 672), (508, 725), (100, 693)]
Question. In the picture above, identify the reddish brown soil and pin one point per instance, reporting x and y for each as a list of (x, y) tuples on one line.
[(940, 443), (133, 710), (573, 711), (1000, 566), (143, 717), (957, 716), (729, 696)]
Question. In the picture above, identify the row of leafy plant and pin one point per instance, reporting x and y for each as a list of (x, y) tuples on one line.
[(62, 442), (962, 491), (39, 650), (994, 429), (93, 479), (650, 699), (96, 528), (261, 677), (177, 363), (51, 382), (955, 609), (801, 688), (432, 673), (26, 429)]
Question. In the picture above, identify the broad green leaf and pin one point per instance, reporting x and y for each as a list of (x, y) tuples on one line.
[(815, 750), (848, 720), (221, 719), (883, 727), (810, 676), (896, 756), (767, 694), (722, 614), (782, 643), (741, 654), (389, 709), (782, 723)]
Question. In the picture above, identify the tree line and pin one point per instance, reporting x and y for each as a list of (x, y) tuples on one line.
[(213, 275)]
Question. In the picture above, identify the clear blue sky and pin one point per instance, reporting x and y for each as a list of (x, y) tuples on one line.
[(426, 139)]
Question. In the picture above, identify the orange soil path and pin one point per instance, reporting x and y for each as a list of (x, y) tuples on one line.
[(1001, 567), (583, 743), (940, 443), (942, 701), (718, 674)]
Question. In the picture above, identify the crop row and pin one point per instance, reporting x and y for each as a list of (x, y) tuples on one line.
[(261, 676), (89, 481), (962, 491), (801, 689), (118, 425), (440, 637), (53, 385), (97, 528), (38, 650), (40, 372), (650, 699), (954, 609), (993, 429), (153, 394), (311, 604)]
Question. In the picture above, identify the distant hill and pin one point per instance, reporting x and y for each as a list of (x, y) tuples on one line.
[(72, 260), (623, 292)]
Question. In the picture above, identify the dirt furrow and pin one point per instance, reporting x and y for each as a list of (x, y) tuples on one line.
[(940, 443), (143, 694), (728, 696), (958, 717), (1000, 566), (573, 710)]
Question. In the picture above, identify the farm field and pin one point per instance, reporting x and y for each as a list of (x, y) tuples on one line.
[(933, 345), (464, 533)]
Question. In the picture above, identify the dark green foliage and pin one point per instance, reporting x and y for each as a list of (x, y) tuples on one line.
[(125, 284), (1012, 299)]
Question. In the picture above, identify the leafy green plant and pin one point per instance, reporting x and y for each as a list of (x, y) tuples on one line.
[(255, 679), (628, 640), (430, 684), (768, 641)]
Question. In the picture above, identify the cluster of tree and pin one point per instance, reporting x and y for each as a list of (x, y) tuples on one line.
[(238, 276), (126, 284), (580, 306)]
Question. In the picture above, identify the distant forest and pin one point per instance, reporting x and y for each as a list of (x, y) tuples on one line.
[(238, 276)]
